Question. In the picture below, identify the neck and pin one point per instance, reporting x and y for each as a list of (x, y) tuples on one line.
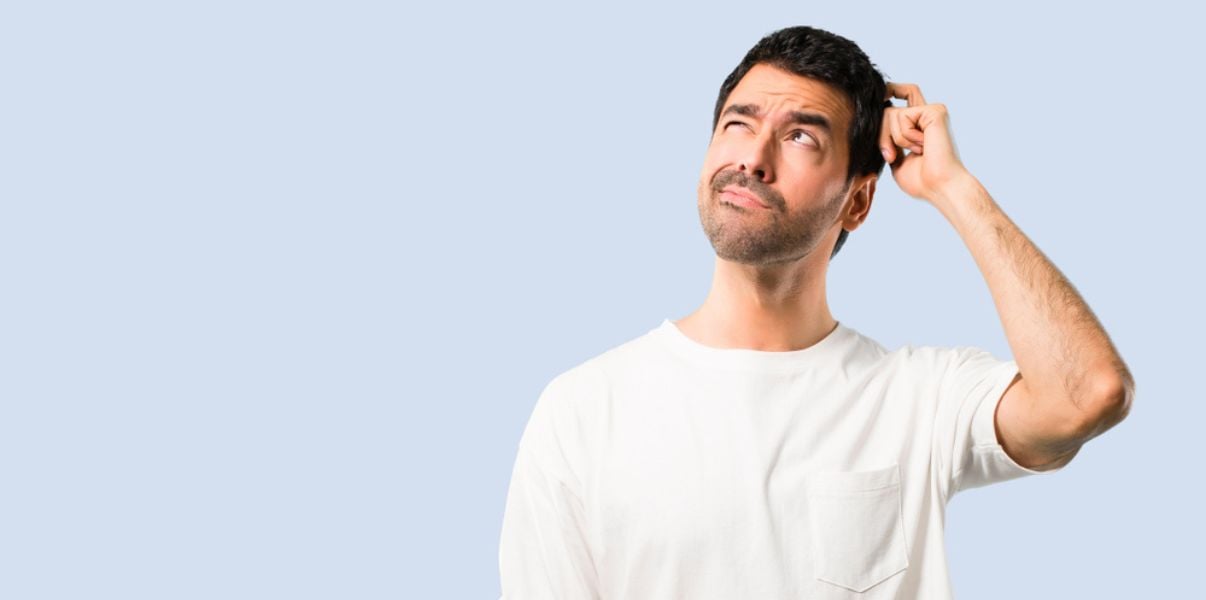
[(770, 308)]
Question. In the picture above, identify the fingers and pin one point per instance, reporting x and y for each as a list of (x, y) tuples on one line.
[(885, 137), (901, 128), (906, 91), (894, 128), (910, 129), (899, 131)]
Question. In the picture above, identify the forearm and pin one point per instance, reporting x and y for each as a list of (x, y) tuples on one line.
[(1061, 349)]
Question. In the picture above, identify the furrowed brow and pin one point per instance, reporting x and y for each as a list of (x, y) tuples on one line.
[(796, 117), (807, 118), (746, 110)]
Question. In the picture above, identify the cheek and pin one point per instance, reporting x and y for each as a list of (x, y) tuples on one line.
[(707, 174), (804, 192), (703, 192), (807, 175), (716, 161)]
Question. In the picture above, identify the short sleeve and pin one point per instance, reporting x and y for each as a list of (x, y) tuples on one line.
[(544, 551), (968, 453)]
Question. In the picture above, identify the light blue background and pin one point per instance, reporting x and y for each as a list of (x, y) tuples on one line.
[(282, 281)]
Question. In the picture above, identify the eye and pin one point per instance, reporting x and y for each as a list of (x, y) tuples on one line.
[(800, 132), (726, 125)]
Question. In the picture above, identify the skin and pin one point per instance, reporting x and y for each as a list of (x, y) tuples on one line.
[(768, 287)]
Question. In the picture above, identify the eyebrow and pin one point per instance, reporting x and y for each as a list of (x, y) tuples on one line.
[(795, 117)]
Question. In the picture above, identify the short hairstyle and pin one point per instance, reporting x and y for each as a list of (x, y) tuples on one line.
[(834, 60)]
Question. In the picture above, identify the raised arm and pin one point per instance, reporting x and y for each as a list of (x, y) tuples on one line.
[(1072, 384)]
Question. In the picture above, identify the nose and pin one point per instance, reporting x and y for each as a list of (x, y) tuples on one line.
[(758, 157)]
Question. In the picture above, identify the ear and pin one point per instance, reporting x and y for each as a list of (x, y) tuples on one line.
[(860, 201)]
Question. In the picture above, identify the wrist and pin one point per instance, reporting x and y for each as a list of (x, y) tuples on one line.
[(958, 192)]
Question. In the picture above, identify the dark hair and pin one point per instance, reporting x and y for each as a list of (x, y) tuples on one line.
[(834, 60)]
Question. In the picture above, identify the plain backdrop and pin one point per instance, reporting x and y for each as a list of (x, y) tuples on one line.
[(282, 281)]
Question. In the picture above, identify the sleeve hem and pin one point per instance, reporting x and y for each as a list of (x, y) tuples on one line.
[(984, 424)]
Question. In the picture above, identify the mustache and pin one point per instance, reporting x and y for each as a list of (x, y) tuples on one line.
[(727, 178)]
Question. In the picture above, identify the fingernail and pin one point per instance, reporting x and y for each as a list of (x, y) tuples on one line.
[(887, 157)]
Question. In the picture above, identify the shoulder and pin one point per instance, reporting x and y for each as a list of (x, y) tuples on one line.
[(637, 354), (934, 366), (588, 382), (903, 359)]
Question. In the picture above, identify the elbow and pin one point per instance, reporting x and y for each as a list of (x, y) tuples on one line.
[(1110, 404), (1119, 394)]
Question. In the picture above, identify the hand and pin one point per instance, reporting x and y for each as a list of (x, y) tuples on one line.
[(932, 163)]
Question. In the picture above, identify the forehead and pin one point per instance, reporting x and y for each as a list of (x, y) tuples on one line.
[(776, 90)]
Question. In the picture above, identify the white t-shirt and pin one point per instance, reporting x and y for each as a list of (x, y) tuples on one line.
[(667, 469)]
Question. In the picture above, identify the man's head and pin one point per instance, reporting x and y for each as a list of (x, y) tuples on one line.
[(797, 124)]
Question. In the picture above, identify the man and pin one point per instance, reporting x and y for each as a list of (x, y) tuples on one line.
[(758, 448)]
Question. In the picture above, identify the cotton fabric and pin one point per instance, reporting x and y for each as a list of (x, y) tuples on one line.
[(665, 469)]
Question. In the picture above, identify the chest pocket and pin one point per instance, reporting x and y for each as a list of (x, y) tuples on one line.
[(857, 524)]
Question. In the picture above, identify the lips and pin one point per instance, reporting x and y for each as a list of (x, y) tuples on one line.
[(743, 196)]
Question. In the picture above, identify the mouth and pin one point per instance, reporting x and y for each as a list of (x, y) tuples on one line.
[(739, 197)]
